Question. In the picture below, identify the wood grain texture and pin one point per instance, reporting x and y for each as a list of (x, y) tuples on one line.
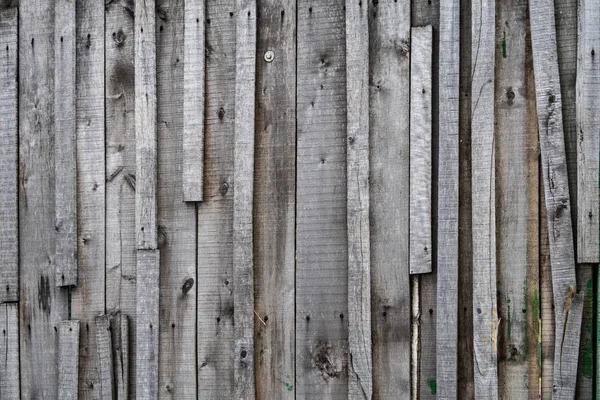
[(546, 302), (415, 340), (275, 200), (147, 326), (215, 213), (568, 304), (145, 124), (104, 351), (321, 228), (121, 350), (65, 143), (584, 387), (193, 99), (176, 219), (9, 351), (9, 152), (68, 359), (420, 150), (587, 128), (388, 155)]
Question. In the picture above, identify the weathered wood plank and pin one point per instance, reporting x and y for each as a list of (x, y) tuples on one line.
[(588, 126), (147, 326), (215, 213), (68, 359), (568, 304), (389, 136), (415, 340), (176, 219), (121, 350), (420, 150), (9, 167), (104, 350), (145, 124), (448, 174), (275, 200), (585, 369), (9, 351), (321, 240), (65, 143)]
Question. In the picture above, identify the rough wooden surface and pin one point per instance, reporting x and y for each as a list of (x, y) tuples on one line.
[(420, 150), (275, 200), (9, 152), (104, 354), (121, 351), (321, 243), (9, 352), (68, 359), (65, 144), (546, 303), (194, 54)]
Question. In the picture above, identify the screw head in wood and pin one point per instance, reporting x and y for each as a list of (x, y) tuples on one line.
[(269, 56)]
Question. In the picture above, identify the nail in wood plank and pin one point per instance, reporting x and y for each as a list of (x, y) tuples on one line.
[(104, 350), (68, 359), (119, 329), (9, 350)]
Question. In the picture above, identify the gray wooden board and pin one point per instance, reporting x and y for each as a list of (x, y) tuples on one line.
[(9, 352), (68, 359), (176, 219), (448, 174), (588, 139), (147, 326), (275, 200), (546, 302), (104, 354), (193, 99), (145, 124), (120, 168), (321, 241), (65, 143), (389, 135), (42, 306), (420, 149), (215, 213), (121, 350), (585, 369), (9, 152), (568, 307)]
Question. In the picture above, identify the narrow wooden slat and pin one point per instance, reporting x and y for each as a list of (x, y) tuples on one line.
[(145, 124), (420, 150), (415, 337), (147, 326), (9, 207), (275, 199), (215, 213), (389, 136), (568, 304), (121, 350), (65, 143), (9, 351), (546, 303), (447, 258), (321, 228), (585, 368), (105, 356), (68, 359), (193, 100)]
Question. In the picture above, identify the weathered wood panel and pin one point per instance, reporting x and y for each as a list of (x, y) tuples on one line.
[(121, 350), (9, 351), (68, 359), (275, 200), (104, 354), (546, 302)]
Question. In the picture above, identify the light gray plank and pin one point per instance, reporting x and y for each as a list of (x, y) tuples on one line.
[(568, 304), (65, 143), (68, 359), (145, 124), (546, 302), (588, 126), (415, 339), (9, 351), (420, 246), (215, 213), (176, 219), (193, 100), (321, 228), (121, 350), (104, 350), (448, 173), (275, 200), (147, 326), (9, 207)]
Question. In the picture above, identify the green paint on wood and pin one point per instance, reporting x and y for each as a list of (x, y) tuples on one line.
[(288, 386), (504, 45), (525, 320), (508, 324), (432, 385), (536, 305)]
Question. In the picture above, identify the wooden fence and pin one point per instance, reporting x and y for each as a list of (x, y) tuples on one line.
[(279, 199)]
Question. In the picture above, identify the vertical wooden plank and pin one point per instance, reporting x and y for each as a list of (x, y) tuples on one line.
[(145, 124), (176, 219), (584, 387), (193, 100), (105, 356), (42, 306), (321, 229), (420, 150), (389, 136), (147, 327), (65, 143), (120, 168), (546, 303), (415, 341), (9, 151), (569, 304), (119, 329), (215, 213), (9, 351), (275, 200), (68, 359)]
